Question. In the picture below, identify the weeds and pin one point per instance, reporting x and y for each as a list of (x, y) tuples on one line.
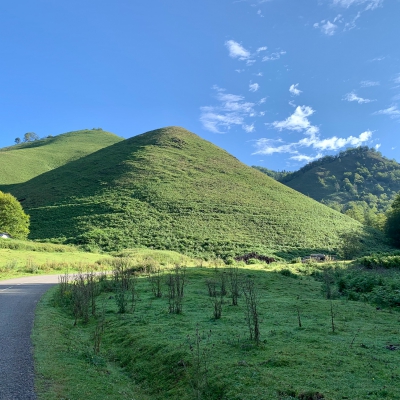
[(233, 278), (155, 278), (252, 315), (175, 285), (198, 369)]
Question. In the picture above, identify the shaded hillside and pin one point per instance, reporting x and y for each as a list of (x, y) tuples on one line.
[(22, 162), (170, 189), (354, 181)]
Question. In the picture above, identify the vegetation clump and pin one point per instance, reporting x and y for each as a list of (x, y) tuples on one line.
[(13, 219)]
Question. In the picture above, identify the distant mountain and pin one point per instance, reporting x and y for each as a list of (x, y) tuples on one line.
[(355, 181), (24, 161), (170, 189)]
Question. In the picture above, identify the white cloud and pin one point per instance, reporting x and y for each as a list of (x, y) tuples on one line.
[(270, 146), (274, 56), (353, 97), (335, 143), (392, 112), (294, 90), (263, 100), (263, 48), (378, 145), (369, 4), (253, 87), (397, 79), (231, 110), (236, 50), (369, 83), (248, 128), (259, 74), (327, 27), (298, 121), (303, 157)]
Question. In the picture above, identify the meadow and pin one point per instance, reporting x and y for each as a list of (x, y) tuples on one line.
[(141, 342)]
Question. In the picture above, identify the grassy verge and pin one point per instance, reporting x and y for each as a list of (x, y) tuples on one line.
[(18, 263), (343, 349)]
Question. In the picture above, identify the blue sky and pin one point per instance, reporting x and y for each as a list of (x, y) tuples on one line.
[(276, 83)]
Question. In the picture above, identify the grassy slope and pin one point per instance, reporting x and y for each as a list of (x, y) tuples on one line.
[(169, 189), (25, 161), (146, 348), (323, 180)]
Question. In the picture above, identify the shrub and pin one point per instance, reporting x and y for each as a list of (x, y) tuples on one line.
[(13, 219)]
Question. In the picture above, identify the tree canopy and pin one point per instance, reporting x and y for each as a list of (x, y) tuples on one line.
[(13, 219), (392, 226), (30, 136)]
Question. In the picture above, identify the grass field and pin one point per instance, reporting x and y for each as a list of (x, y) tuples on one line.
[(150, 353)]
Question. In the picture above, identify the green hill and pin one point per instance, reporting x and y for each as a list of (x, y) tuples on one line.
[(359, 182), (22, 162), (170, 189)]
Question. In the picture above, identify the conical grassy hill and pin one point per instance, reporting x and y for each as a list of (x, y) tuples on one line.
[(170, 189), (22, 162)]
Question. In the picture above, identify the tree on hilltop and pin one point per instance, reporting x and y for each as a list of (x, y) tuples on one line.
[(13, 219), (30, 137), (17, 140)]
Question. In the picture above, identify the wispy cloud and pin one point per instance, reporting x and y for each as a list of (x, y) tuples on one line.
[(294, 90), (303, 157), (263, 48), (353, 97), (397, 79), (274, 56), (392, 112), (326, 27), (380, 58), (369, 83), (253, 87), (248, 128), (352, 24), (369, 4), (232, 110), (236, 50)]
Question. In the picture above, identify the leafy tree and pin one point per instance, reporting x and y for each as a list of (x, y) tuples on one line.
[(13, 219), (392, 226), (30, 136), (17, 140)]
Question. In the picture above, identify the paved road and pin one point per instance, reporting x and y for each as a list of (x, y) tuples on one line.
[(18, 298)]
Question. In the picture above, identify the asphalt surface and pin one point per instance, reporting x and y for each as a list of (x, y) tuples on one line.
[(18, 299)]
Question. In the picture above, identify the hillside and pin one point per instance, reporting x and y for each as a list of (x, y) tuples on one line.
[(22, 162), (356, 180), (170, 189)]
